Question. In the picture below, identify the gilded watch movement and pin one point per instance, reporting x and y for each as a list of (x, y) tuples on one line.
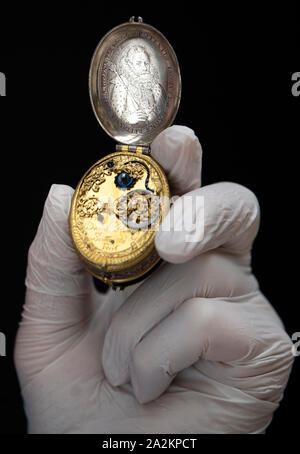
[(119, 203)]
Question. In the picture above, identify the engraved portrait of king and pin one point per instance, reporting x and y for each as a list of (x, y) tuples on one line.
[(136, 93)]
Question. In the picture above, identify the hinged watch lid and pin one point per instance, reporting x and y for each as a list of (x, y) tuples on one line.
[(134, 83)]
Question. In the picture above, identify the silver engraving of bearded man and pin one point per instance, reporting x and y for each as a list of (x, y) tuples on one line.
[(136, 94)]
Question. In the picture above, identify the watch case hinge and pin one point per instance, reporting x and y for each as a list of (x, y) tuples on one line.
[(142, 149)]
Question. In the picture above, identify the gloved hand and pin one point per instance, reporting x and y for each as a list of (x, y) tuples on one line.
[(194, 348)]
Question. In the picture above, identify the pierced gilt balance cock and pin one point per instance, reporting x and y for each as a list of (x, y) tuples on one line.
[(135, 88)]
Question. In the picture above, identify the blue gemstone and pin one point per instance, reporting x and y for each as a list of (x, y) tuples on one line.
[(124, 180)]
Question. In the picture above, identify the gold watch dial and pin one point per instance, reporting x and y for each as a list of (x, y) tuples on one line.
[(116, 210)]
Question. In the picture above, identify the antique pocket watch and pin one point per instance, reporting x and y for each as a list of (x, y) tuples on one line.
[(135, 88)]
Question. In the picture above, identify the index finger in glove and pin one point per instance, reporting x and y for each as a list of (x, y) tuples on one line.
[(222, 215)]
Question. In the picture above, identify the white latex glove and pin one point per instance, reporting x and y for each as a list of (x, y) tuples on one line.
[(195, 348)]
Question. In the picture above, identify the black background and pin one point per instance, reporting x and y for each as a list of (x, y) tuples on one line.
[(236, 67)]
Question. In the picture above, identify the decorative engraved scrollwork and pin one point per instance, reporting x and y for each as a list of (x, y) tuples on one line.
[(143, 202), (95, 179), (135, 169), (87, 207)]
